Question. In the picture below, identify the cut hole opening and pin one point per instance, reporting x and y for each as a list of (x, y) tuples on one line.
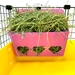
[(55, 49)]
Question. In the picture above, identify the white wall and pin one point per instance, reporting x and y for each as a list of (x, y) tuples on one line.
[(32, 2)]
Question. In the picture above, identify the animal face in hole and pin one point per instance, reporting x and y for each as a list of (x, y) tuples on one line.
[(23, 50), (55, 49)]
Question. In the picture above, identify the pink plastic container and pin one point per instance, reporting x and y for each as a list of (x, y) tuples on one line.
[(46, 39)]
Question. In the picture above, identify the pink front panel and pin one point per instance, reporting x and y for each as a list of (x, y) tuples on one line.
[(46, 39)]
